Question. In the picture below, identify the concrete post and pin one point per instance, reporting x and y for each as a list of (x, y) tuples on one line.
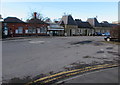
[(1, 19), (0, 29)]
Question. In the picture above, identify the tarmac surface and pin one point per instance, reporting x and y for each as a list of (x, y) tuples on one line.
[(102, 76), (34, 56)]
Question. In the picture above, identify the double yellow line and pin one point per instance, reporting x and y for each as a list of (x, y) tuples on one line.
[(62, 75)]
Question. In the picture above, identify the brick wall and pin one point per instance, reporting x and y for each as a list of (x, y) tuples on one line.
[(12, 27)]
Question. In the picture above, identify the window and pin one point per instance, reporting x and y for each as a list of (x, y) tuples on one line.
[(34, 30), (19, 30), (38, 30), (5, 28), (73, 31), (26, 31), (6, 31), (43, 30), (5, 24), (16, 31), (29, 30), (79, 30)]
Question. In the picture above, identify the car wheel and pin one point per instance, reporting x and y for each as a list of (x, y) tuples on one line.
[(108, 39)]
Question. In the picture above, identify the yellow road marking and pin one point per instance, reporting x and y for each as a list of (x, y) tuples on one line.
[(78, 71), (55, 75), (64, 73)]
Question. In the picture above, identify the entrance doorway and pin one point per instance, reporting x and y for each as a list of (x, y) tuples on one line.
[(70, 32)]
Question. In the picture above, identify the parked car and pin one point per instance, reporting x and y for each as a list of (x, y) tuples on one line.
[(106, 34), (114, 34), (107, 38), (97, 34), (103, 34)]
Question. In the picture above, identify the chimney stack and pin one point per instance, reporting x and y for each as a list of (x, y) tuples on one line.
[(35, 15)]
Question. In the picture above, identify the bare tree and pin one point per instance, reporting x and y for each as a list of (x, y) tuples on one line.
[(37, 15), (35, 21)]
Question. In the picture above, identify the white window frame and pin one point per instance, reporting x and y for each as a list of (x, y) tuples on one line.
[(6, 31), (20, 30), (16, 31), (26, 31), (33, 31), (38, 30), (43, 30), (30, 31)]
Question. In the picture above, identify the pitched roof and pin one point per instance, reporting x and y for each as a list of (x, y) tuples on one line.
[(114, 25), (105, 24), (61, 23), (78, 21), (35, 20), (94, 22), (13, 20), (85, 25), (68, 20), (82, 24)]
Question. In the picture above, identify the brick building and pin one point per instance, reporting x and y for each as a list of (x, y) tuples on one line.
[(13, 27)]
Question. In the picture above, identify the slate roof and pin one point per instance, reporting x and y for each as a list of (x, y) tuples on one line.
[(35, 20), (67, 20), (61, 23), (78, 21), (105, 24), (82, 24), (13, 20), (85, 25), (94, 22), (113, 25)]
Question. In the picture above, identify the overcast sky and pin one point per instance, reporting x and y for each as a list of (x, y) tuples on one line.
[(105, 11)]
